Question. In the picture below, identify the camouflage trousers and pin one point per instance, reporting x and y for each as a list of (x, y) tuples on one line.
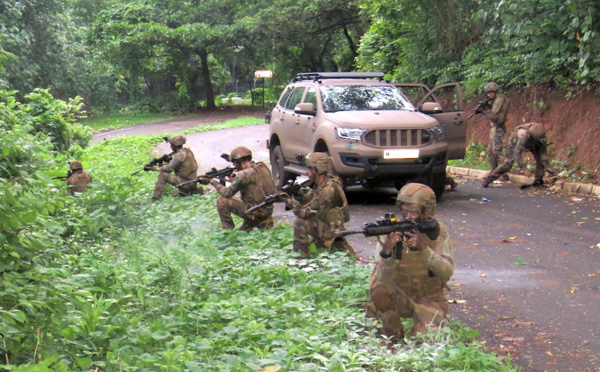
[(541, 165), (228, 206), (164, 178), (495, 145), (390, 303), (313, 230)]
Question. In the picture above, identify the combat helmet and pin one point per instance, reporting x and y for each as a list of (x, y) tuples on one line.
[(240, 152), (75, 165), (490, 87), (177, 140), (417, 193), (320, 161)]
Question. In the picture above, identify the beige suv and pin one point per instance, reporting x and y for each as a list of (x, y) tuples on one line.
[(374, 133)]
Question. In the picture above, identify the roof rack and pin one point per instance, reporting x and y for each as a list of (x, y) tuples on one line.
[(316, 76)]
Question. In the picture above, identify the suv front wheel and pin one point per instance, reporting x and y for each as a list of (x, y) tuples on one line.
[(278, 163)]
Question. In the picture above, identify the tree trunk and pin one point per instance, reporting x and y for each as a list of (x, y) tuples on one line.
[(205, 75)]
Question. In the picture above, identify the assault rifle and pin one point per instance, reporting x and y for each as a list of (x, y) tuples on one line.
[(213, 173), (482, 105), (290, 188), (157, 161), (389, 224), (64, 178)]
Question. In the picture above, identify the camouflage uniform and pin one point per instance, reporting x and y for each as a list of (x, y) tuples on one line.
[(497, 115), (254, 184), (183, 164), (526, 137), (320, 213), (79, 180), (413, 286)]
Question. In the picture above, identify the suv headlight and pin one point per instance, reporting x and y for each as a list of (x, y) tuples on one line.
[(438, 132), (350, 133)]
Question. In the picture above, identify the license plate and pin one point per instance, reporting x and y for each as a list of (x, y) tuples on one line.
[(401, 154)]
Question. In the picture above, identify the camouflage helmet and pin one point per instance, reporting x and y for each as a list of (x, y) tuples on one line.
[(177, 140), (240, 152), (417, 193), (320, 161), (490, 87), (75, 165)]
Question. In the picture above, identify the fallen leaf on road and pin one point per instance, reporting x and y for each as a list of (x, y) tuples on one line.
[(522, 324), (573, 289), (482, 274), (576, 199), (549, 353), (505, 241), (506, 318), (561, 254), (592, 275), (514, 339), (520, 261), (512, 237)]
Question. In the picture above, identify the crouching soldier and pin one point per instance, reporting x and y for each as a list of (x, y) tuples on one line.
[(183, 165), (321, 211), (254, 182), (78, 180), (410, 283)]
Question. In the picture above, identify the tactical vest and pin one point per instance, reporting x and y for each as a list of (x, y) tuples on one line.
[(412, 276), (188, 166), (336, 216), (257, 184)]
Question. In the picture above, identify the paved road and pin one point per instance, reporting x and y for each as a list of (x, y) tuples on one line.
[(528, 273)]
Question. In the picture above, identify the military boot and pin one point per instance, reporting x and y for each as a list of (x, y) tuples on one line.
[(486, 182)]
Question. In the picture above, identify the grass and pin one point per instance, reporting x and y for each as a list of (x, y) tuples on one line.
[(122, 120)]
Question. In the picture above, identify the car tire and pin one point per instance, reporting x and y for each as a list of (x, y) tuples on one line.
[(437, 182), (278, 163)]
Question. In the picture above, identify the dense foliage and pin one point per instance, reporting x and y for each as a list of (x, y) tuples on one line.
[(174, 56)]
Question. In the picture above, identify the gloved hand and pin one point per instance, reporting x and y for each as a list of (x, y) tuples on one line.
[(204, 180), (284, 197)]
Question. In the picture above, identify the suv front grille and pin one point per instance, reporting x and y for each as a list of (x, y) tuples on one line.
[(397, 137)]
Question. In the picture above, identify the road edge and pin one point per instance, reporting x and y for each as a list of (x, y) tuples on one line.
[(559, 185)]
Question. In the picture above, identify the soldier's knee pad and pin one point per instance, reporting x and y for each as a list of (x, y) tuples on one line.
[(381, 297)]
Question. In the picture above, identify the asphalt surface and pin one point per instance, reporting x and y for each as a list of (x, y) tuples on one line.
[(527, 261)]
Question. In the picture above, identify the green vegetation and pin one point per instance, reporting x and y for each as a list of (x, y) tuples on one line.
[(474, 158), (122, 120), (171, 56), (107, 280)]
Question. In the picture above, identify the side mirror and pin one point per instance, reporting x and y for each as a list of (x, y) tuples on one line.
[(305, 109), (431, 108)]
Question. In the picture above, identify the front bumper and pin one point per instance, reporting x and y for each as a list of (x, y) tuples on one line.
[(377, 167)]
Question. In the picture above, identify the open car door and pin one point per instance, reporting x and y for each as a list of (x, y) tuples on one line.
[(449, 97)]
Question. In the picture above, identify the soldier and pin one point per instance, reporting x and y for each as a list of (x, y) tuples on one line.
[(526, 137), (78, 180), (496, 112), (321, 211), (254, 182), (413, 286), (183, 163)]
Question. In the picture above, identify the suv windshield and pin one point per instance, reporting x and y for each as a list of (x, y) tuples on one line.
[(363, 97)]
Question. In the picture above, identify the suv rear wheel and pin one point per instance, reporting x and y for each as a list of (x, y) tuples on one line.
[(278, 163)]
